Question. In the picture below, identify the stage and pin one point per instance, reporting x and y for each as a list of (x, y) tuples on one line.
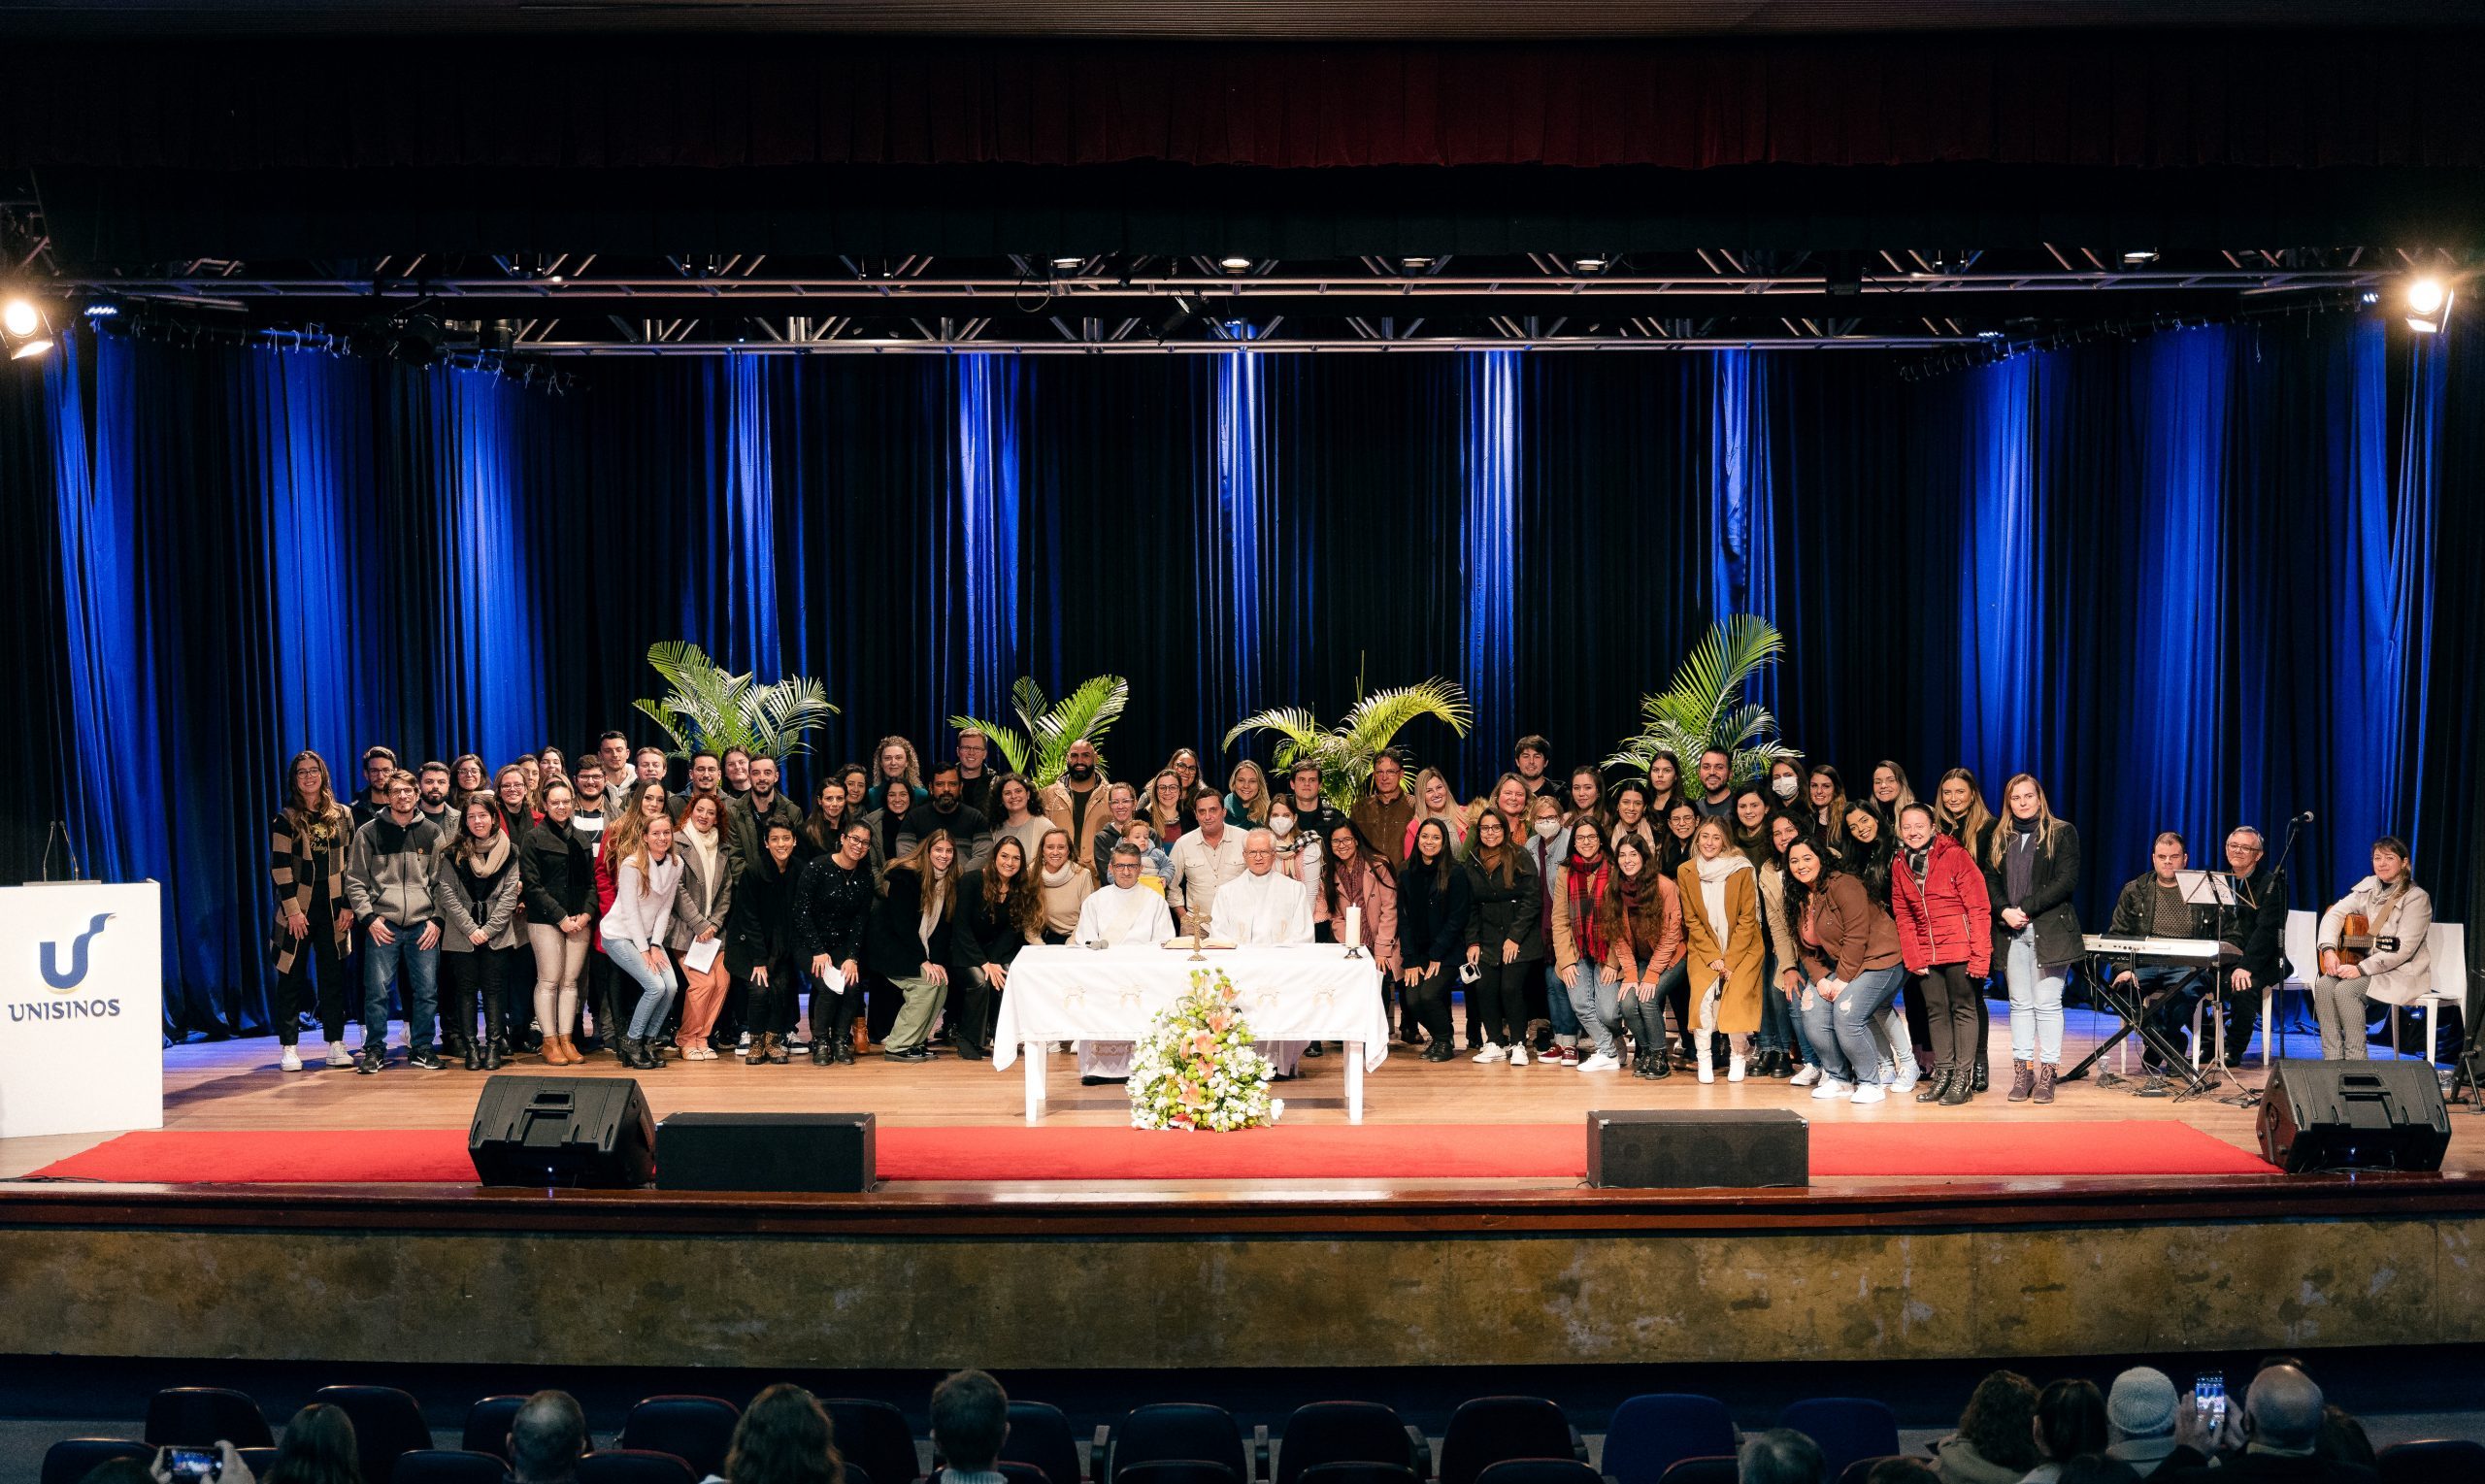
[(1378, 1251)]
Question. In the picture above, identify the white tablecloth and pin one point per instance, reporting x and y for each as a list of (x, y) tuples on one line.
[(1312, 992)]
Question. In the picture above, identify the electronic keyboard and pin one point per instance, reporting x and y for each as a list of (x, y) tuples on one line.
[(2193, 951)]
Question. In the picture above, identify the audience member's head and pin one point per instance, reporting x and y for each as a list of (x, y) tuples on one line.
[(1900, 1470), (319, 1447), (1778, 1456), (2070, 1420), (784, 1438), (2343, 1439), (546, 1438), (970, 1418), (2097, 1469), (2282, 1412), (2142, 1406), (2000, 1422)]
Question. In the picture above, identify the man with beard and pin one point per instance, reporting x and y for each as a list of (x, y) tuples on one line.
[(379, 764), (431, 797), (613, 750), (1530, 755), (1716, 799), (1066, 801), (963, 820)]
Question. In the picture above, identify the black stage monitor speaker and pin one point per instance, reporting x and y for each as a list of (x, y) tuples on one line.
[(2353, 1115), (766, 1151), (592, 1131), (1672, 1149)]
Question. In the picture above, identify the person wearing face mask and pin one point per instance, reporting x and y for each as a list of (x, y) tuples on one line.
[(1945, 933), (1545, 851), (1298, 851), (2398, 966), (1786, 783), (1070, 800)]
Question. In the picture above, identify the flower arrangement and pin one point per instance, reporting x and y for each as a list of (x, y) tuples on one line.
[(1195, 1069)]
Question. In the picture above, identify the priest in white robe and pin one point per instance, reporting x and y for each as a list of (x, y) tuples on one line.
[(1265, 905), (1122, 911)]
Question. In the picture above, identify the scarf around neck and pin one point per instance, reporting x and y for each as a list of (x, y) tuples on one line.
[(1713, 876)]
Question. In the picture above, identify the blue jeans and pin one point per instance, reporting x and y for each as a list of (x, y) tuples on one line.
[(380, 963), (656, 990), (1596, 1002), (1849, 1033), (1557, 1008), (2035, 1001)]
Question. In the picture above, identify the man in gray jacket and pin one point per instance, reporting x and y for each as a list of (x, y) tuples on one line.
[(388, 878)]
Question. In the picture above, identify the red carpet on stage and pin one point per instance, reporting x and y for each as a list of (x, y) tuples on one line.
[(1372, 1151)]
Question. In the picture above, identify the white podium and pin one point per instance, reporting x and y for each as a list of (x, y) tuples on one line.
[(82, 1009)]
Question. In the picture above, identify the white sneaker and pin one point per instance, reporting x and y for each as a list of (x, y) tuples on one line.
[(1806, 1077), (1518, 1056), (1600, 1062), (291, 1060), (743, 1044), (1707, 1072), (1735, 1068), (1833, 1087), (1492, 1052), (1902, 1081), (338, 1055), (1869, 1092)]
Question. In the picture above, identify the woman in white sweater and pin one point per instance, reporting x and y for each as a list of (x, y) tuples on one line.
[(2401, 916), (634, 933)]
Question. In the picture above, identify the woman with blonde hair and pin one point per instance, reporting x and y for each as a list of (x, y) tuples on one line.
[(2036, 932), (1063, 884), (1721, 923), (1247, 794), (644, 881), (1435, 801), (911, 947), (307, 847), (556, 874), (1960, 813), (1167, 811)]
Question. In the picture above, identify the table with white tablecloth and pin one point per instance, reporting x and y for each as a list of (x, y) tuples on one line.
[(1294, 992)]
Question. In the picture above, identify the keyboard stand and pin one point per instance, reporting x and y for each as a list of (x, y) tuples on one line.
[(2128, 1008)]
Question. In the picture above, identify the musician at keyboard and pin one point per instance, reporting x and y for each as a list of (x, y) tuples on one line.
[(2151, 906), (2375, 942)]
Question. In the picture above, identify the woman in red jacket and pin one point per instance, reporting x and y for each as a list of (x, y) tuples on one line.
[(1945, 931)]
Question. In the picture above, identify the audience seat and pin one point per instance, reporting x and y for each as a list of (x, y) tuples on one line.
[(69, 1460), (1539, 1471), (1177, 1471), (2435, 1461), (1021, 1473), (488, 1425), (203, 1416), (1040, 1436), (698, 1431), (1702, 1471), (1359, 1473), (634, 1465), (1348, 1433), (1651, 1434), (1846, 1428), (1171, 1432), (443, 1465), (1861, 1468), (1488, 1430), (874, 1434), (386, 1422)]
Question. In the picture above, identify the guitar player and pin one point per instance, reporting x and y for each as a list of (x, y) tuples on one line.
[(2373, 945), (2151, 906)]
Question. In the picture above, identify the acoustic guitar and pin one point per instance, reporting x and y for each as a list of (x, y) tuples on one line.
[(2357, 940)]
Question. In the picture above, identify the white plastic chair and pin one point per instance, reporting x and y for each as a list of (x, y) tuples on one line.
[(2448, 942), (2303, 962)]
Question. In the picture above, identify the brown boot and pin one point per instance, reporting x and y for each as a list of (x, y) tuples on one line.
[(2045, 1083), (2023, 1080), (552, 1051), (862, 1037)]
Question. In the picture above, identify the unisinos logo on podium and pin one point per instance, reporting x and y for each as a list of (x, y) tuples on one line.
[(82, 1009)]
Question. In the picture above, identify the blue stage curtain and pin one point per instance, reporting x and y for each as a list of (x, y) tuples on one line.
[(2197, 579)]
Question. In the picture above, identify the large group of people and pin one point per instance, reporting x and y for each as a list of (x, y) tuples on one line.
[(1671, 919)]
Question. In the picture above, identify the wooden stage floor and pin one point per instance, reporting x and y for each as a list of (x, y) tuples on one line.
[(236, 1085)]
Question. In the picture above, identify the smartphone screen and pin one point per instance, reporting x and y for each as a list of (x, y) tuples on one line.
[(2209, 1393), (192, 1463)]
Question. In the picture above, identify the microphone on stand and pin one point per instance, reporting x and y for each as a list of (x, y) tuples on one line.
[(2304, 819)]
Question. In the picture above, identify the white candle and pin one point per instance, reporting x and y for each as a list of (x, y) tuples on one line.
[(1355, 926)]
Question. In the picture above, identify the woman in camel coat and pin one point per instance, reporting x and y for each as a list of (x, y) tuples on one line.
[(1721, 920)]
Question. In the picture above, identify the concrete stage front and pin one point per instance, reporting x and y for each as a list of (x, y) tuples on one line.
[(1033, 1276)]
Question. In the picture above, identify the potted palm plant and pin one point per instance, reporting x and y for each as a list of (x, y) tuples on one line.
[(1345, 751), (1704, 705), (708, 708), (1039, 749)]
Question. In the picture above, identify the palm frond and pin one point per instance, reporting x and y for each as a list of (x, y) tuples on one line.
[(1704, 703), (783, 711), (1377, 718), (1296, 724), (1087, 711), (663, 718), (1027, 698), (710, 707)]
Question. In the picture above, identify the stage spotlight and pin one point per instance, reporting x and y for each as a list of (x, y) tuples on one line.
[(2429, 301), (1065, 264), (2139, 258), (20, 318), (1415, 264), (24, 331), (1236, 264), (1590, 264), (2371, 296)]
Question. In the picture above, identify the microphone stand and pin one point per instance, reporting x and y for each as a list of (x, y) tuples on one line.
[(2295, 827)]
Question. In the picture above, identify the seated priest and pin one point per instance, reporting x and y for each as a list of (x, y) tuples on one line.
[(1121, 912), (1265, 905)]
